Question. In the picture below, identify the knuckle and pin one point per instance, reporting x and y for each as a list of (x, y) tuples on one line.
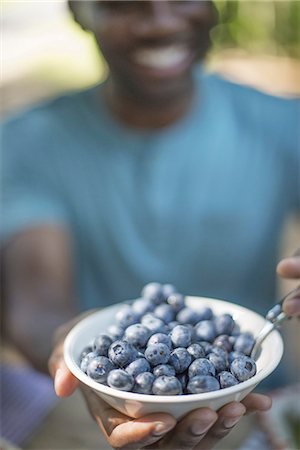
[(112, 442), (186, 442), (116, 445), (220, 433)]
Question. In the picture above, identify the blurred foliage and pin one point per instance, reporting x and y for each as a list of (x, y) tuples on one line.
[(271, 27)]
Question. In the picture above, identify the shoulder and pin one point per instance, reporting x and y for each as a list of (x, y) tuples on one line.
[(276, 117), (242, 94), (45, 129), (48, 116)]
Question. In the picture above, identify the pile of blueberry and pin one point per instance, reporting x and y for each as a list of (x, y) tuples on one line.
[(160, 346)]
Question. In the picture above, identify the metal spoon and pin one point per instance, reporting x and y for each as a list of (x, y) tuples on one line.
[(275, 316)]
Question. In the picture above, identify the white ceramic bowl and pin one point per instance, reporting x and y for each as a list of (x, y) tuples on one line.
[(137, 405)]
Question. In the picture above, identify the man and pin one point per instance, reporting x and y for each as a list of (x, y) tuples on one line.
[(163, 173)]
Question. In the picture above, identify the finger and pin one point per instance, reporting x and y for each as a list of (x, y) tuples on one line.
[(229, 416), (291, 305), (64, 381), (121, 431), (257, 403), (289, 267), (190, 430), (142, 432)]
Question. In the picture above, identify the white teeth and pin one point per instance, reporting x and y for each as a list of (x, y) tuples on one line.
[(161, 58)]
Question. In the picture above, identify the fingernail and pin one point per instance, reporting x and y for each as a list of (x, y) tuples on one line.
[(291, 306), (161, 428), (57, 378), (231, 421), (198, 428)]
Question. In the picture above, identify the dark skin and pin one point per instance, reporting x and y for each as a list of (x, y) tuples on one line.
[(39, 290), (39, 285), (140, 95)]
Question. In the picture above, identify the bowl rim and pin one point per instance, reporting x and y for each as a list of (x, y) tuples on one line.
[(149, 398)]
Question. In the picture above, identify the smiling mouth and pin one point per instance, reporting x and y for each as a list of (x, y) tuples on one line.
[(162, 58)]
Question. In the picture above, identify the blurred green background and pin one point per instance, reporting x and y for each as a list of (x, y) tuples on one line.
[(271, 27), (44, 52)]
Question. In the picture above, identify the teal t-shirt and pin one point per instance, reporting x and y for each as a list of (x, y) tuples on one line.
[(200, 204)]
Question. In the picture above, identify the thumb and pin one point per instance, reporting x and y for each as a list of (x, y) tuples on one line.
[(65, 383), (289, 267)]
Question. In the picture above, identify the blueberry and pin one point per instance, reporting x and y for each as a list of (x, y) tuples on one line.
[(143, 383), (166, 386), (85, 351), (218, 361), (164, 312), (115, 331), (86, 360), (187, 315), (125, 316), (180, 359), (224, 324), (138, 366), (160, 338), (172, 324), (202, 383), (236, 330), (120, 379), (205, 331), (157, 354), (201, 366), (274, 312), (176, 301), (243, 368), (219, 351), (223, 341), (244, 343), (167, 290), (204, 313), (101, 344), (235, 355), (183, 378), (153, 292), (122, 353), (99, 368), (154, 324), (226, 379), (207, 347), (142, 306), (137, 335), (232, 339), (196, 351), (181, 336), (164, 369)]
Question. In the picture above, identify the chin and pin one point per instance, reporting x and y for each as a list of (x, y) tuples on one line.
[(157, 92)]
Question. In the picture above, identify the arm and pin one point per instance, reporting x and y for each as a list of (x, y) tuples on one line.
[(37, 290)]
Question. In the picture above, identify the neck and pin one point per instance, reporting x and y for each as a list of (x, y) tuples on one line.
[(146, 114)]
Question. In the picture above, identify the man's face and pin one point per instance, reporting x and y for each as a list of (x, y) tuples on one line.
[(151, 46)]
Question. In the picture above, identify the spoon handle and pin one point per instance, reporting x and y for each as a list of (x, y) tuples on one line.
[(275, 316)]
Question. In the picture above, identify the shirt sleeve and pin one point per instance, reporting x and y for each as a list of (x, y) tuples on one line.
[(283, 117), (30, 194), (292, 137)]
